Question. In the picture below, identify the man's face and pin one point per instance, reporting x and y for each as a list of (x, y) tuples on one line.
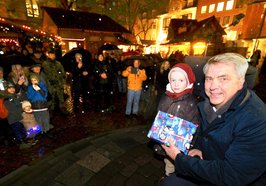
[(222, 83), (136, 64), (100, 57), (51, 56), (36, 69)]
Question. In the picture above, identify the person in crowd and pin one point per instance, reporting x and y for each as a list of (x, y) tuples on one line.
[(29, 122), (254, 59), (2, 80), (37, 95), (38, 56), (20, 79), (102, 72), (80, 83), (5, 129), (37, 70), (121, 81), (178, 100), (56, 77), (231, 142), (135, 77), (162, 79), (13, 105)]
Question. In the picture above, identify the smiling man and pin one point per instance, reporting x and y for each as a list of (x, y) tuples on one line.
[(231, 144)]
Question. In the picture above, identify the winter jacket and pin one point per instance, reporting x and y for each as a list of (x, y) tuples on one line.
[(14, 108), (28, 120), (38, 98), (233, 145), (184, 107), (134, 81)]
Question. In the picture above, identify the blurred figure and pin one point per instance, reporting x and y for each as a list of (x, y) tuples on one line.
[(38, 56), (102, 72), (162, 79), (254, 59), (14, 107), (80, 84), (19, 78), (135, 78), (56, 76)]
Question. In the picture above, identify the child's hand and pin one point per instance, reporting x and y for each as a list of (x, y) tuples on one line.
[(36, 87)]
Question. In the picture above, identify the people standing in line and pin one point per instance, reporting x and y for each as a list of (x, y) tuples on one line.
[(231, 142), (135, 77), (102, 72), (178, 100), (162, 79), (56, 77), (80, 83)]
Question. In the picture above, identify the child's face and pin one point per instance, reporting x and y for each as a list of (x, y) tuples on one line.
[(27, 108), (34, 81), (11, 90), (178, 81)]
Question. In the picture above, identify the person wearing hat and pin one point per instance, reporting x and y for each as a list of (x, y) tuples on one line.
[(29, 122), (36, 69), (37, 94), (38, 56), (56, 77), (179, 101), (13, 105)]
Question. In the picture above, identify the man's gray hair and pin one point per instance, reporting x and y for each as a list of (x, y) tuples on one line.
[(240, 63)]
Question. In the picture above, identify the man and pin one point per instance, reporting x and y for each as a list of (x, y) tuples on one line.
[(135, 77), (56, 77), (231, 144)]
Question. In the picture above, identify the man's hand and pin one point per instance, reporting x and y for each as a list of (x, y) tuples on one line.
[(172, 151), (195, 153)]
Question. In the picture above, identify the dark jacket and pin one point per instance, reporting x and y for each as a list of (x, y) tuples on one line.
[(233, 145), (14, 108), (184, 107)]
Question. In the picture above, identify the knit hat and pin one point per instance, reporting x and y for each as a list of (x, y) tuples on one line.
[(187, 71), (26, 104), (35, 65), (10, 84)]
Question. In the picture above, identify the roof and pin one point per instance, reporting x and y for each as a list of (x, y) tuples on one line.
[(83, 20), (181, 30)]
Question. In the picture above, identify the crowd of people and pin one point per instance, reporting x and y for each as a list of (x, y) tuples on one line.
[(228, 148)]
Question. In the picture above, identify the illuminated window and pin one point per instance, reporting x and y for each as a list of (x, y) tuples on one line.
[(226, 20), (32, 8), (229, 4), (72, 44), (220, 7), (203, 9), (211, 8)]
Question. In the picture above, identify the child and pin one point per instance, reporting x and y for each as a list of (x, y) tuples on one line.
[(37, 95), (29, 122), (179, 101), (13, 105)]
